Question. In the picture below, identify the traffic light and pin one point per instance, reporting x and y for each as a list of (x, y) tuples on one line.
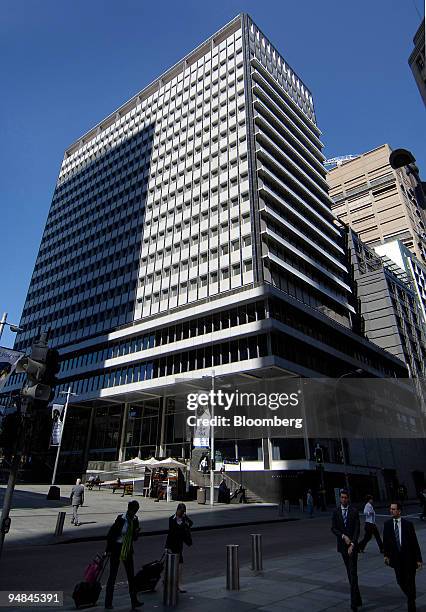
[(319, 455), (41, 367)]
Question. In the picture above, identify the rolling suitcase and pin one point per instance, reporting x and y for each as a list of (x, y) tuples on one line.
[(147, 578), (87, 593)]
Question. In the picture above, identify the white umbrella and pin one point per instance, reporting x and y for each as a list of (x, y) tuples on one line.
[(152, 463), (133, 462), (171, 463)]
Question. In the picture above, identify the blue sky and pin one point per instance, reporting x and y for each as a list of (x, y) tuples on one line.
[(66, 65)]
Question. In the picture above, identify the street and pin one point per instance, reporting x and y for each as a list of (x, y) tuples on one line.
[(61, 566)]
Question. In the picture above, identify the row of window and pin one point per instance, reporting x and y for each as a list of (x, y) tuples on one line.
[(187, 361), (174, 333)]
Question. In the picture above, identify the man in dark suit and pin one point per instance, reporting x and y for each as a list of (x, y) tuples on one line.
[(120, 538), (402, 552), (346, 526)]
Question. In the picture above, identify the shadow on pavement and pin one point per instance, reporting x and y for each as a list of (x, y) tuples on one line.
[(26, 499)]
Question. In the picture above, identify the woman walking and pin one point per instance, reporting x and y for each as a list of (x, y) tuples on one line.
[(178, 535)]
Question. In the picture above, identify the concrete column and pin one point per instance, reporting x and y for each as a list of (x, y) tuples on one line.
[(123, 432), (162, 441), (89, 436), (266, 456)]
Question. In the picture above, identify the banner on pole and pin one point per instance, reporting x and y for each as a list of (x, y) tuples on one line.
[(57, 423), (8, 361)]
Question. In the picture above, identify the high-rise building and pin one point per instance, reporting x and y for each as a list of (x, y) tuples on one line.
[(380, 203), (417, 60), (390, 308), (192, 231), (406, 261)]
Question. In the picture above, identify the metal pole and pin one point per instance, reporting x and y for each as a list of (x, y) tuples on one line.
[(14, 468), (62, 433), (342, 446), (256, 552), (60, 523), (212, 451), (171, 581), (3, 323), (232, 568)]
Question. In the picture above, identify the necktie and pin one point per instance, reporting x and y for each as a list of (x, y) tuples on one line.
[(398, 541), (345, 516)]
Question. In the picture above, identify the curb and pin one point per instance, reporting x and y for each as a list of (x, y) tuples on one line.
[(165, 531)]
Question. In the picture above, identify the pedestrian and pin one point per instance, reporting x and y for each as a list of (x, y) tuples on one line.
[(423, 504), (120, 538), (370, 526), (204, 465), (402, 552), (76, 499), (224, 494), (346, 526), (179, 534), (310, 503)]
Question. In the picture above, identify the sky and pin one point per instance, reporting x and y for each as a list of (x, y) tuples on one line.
[(66, 65)]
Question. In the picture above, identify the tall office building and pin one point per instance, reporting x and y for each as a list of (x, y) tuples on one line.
[(191, 231), (415, 270), (381, 204), (417, 60), (389, 302)]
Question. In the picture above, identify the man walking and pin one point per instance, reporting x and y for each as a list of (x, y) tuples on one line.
[(370, 526), (120, 540), (77, 499), (402, 552), (345, 526)]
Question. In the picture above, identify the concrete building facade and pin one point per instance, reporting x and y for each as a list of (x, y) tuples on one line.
[(381, 204)]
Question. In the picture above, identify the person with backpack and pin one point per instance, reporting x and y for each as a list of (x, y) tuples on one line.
[(179, 534), (120, 538)]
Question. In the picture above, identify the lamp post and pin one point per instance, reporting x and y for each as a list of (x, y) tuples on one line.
[(342, 446), (12, 327), (68, 393)]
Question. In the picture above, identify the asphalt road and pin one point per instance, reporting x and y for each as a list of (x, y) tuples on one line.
[(61, 566)]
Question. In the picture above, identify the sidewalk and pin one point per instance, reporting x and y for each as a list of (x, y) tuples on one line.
[(307, 581), (34, 517)]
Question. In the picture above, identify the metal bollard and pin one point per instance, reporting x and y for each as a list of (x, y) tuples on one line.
[(287, 505), (60, 523), (232, 568), (301, 505), (256, 552), (171, 580)]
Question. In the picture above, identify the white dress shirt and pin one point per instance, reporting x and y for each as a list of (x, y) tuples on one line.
[(369, 513), (399, 528), (124, 529)]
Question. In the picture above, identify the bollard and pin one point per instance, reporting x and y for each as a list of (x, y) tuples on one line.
[(171, 579), (60, 523), (301, 505), (256, 552), (287, 505), (232, 568)]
